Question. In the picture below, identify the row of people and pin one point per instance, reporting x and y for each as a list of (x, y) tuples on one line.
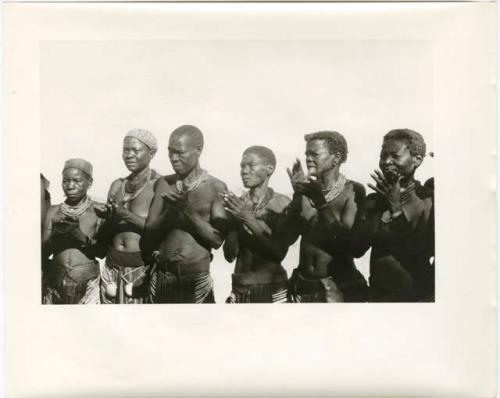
[(157, 233)]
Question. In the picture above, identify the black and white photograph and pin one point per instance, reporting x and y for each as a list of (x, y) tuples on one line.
[(255, 172)]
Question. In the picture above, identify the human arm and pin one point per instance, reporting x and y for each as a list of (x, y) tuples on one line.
[(161, 215), (290, 225), (106, 214), (122, 212), (406, 210), (373, 227), (365, 226), (211, 232), (47, 232), (255, 230), (59, 226), (231, 246)]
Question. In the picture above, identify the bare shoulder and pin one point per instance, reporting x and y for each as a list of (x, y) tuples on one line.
[(371, 201), (169, 179), (115, 186), (162, 183), (358, 190), (216, 184), (52, 210), (154, 176), (279, 202)]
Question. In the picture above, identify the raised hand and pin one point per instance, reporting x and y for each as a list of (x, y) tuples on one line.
[(312, 189), (389, 188), (296, 174), (241, 212), (235, 206)]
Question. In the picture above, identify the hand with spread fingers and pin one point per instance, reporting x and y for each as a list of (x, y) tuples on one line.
[(306, 185), (296, 175), (237, 208), (312, 189), (391, 190)]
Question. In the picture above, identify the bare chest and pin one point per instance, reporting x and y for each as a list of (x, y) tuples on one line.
[(200, 201), (311, 215), (137, 203)]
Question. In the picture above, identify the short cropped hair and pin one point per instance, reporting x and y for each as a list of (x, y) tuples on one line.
[(194, 133), (266, 154), (415, 141), (334, 141)]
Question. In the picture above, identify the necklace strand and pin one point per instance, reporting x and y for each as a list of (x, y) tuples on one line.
[(129, 197), (335, 190), (259, 205), (405, 193), (76, 211), (180, 186)]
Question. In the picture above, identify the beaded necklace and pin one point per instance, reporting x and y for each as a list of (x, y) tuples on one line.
[(335, 190), (130, 196), (201, 178), (78, 210), (405, 193), (258, 206)]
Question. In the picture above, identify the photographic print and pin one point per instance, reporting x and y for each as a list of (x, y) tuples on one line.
[(331, 165), (248, 171)]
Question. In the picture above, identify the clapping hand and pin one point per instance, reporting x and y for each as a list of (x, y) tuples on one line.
[(65, 225), (103, 210), (306, 185), (390, 188), (120, 208), (173, 197), (235, 206), (241, 212), (114, 208), (296, 174)]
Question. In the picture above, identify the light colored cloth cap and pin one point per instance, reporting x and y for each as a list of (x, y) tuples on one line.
[(80, 164), (145, 137)]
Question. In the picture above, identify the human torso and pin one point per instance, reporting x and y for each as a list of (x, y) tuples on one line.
[(181, 242), (126, 236), (256, 266), (67, 250), (317, 247), (409, 251)]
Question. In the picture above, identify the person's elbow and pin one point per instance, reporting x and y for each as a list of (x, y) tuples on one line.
[(358, 249), (278, 254), (230, 256), (216, 242)]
